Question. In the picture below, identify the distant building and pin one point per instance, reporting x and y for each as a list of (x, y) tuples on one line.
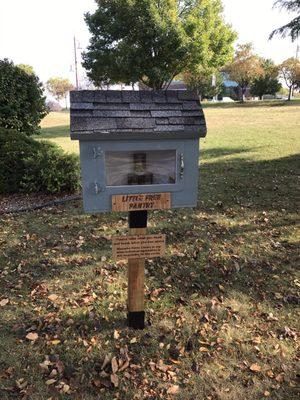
[(230, 88), (177, 85)]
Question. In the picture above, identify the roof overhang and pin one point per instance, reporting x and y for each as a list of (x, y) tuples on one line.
[(138, 135)]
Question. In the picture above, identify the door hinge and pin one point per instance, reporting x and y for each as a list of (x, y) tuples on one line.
[(181, 168), (97, 188)]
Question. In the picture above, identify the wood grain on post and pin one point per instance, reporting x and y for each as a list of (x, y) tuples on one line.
[(136, 278)]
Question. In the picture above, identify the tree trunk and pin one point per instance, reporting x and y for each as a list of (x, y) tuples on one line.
[(290, 93), (243, 91), (66, 99)]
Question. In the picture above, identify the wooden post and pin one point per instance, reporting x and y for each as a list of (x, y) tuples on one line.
[(136, 274)]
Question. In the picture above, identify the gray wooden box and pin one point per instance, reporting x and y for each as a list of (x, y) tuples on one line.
[(137, 142)]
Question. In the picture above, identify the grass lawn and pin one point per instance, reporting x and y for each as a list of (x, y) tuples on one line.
[(56, 128), (222, 307)]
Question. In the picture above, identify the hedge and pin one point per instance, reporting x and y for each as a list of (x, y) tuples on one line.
[(28, 165)]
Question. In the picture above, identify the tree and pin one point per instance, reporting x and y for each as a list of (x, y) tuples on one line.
[(59, 88), (22, 101), (202, 82), (245, 68), (290, 72), (293, 27), (152, 41), (27, 68), (267, 83)]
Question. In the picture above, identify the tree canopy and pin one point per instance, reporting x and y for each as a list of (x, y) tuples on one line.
[(152, 41), (290, 72), (27, 68), (291, 29), (268, 82), (59, 87), (245, 68), (22, 101), (202, 82)]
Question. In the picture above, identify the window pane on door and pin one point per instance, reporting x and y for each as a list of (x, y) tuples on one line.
[(153, 167)]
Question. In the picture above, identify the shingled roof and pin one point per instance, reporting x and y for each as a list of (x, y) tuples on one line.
[(114, 113)]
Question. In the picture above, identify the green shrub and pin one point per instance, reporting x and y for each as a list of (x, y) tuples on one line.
[(14, 147), (22, 101), (27, 165)]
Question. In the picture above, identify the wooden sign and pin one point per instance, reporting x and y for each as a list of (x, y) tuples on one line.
[(138, 246), (139, 202)]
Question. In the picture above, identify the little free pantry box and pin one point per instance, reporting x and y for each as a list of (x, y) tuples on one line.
[(137, 142)]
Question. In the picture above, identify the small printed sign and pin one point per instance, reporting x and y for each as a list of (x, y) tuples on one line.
[(139, 202), (138, 246)]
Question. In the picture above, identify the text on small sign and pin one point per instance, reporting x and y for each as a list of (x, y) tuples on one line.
[(139, 246)]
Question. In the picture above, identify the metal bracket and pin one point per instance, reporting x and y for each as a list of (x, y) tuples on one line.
[(97, 152), (181, 170), (97, 188)]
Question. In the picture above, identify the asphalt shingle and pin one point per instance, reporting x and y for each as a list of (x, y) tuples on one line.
[(138, 111)]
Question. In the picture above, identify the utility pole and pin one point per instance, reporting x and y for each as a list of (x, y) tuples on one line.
[(76, 63), (297, 52)]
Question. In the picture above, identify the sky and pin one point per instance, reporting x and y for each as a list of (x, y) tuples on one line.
[(40, 32)]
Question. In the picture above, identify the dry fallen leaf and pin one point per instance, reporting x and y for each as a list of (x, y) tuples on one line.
[(32, 336), (270, 374), (255, 368), (114, 365), (21, 383), (133, 340), (50, 382), (44, 366), (53, 297), (3, 302), (221, 287), (162, 367), (106, 361), (203, 349), (267, 394), (59, 366), (55, 342), (103, 374), (96, 382), (114, 380), (256, 340), (66, 388), (280, 378), (173, 389), (124, 366), (116, 334), (53, 373)]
